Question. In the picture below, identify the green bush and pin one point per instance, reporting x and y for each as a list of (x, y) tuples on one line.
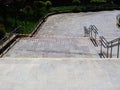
[(2, 31), (39, 8), (76, 9), (118, 20), (39, 4), (76, 2), (85, 1), (48, 4), (98, 1), (28, 10), (42, 11)]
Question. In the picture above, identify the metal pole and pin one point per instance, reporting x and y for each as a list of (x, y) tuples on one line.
[(111, 51), (107, 51), (2, 50), (84, 32), (91, 33), (118, 49), (101, 47), (95, 36)]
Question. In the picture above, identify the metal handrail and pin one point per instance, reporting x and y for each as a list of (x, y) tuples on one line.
[(105, 43), (110, 44), (2, 39), (9, 41), (94, 29), (115, 40), (93, 34), (86, 31), (16, 29)]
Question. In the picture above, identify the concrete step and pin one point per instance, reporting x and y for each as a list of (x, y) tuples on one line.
[(54, 47)]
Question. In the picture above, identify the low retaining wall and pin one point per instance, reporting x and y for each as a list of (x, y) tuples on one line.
[(7, 45)]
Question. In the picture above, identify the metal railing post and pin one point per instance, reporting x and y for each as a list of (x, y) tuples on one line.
[(88, 32), (2, 50), (107, 51), (91, 33), (95, 36), (101, 47), (118, 49), (84, 32), (111, 51)]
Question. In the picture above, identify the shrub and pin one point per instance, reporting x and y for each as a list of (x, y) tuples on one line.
[(76, 9), (48, 4), (28, 10), (118, 20), (39, 8), (2, 31), (76, 2), (42, 11), (98, 1), (39, 4), (85, 1)]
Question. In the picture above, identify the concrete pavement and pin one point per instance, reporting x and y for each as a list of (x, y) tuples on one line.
[(62, 36), (59, 74)]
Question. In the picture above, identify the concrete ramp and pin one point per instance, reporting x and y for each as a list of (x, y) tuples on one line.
[(59, 74)]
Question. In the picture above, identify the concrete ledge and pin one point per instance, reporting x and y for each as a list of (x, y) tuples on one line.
[(6, 45)]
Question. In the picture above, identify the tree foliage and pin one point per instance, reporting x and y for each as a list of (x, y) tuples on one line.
[(2, 31), (76, 2), (99, 1), (48, 4), (34, 9), (85, 1)]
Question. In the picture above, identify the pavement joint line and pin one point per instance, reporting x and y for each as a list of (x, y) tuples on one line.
[(61, 41), (57, 36), (59, 59)]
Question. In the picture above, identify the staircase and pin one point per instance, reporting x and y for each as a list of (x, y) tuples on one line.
[(54, 47)]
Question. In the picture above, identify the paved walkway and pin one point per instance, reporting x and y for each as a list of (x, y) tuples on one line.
[(54, 47), (62, 36), (59, 74)]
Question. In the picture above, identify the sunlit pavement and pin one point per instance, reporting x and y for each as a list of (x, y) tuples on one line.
[(62, 35), (59, 74), (59, 57)]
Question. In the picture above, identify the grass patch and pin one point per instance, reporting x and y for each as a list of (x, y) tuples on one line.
[(27, 26)]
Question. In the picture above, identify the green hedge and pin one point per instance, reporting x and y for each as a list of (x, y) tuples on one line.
[(86, 8), (2, 31)]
